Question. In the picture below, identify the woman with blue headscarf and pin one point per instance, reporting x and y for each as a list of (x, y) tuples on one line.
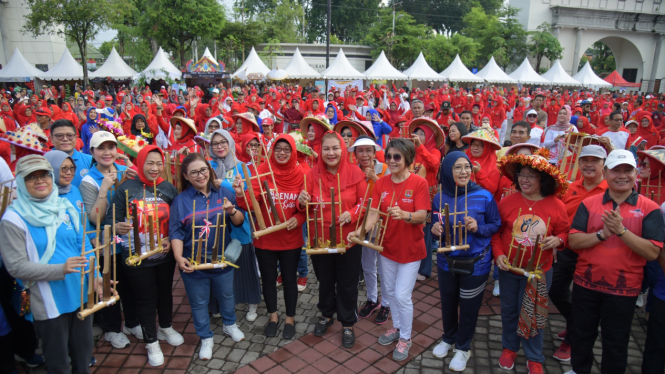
[(331, 113), (463, 273), (89, 128), (42, 238), (380, 127)]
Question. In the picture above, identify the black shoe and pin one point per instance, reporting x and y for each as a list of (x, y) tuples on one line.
[(289, 331), (382, 316), (322, 326), (362, 278), (271, 329), (368, 308), (348, 338)]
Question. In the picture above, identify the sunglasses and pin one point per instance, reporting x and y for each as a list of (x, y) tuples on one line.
[(394, 156)]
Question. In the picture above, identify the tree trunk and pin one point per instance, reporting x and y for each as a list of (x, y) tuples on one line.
[(83, 45), (182, 53), (538, 58), (154, 46)]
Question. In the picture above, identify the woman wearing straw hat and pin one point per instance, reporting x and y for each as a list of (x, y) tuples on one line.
[(533, 215)]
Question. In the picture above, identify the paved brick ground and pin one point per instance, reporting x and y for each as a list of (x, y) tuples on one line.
[(309, 354)]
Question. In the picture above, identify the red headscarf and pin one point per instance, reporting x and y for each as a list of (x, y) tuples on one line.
[(186, 134), (487, 160), (319, 131), (585, 128), (349, 174), (201, 116), (246, 138), (649, 133), (289, 176), (143, 154), (430, 138)]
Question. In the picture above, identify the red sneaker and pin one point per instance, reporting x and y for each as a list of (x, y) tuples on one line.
[(534, 367), (302, 284), (507, 359), (279, 281), (562, 335), (563, 353)]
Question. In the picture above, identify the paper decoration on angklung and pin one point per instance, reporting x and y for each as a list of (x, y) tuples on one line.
[(374, 237), (149, 219), (651, 186), (533, 269), (172, 166), (98, 302), (5, 196), (458, 239), (569, 150), (219, 259), (334, 244)]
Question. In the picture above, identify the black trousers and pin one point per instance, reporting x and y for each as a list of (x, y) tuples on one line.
[(654, 351), (111, 316), (63, 338), (338, 276), (152, 285), (560, 295), (288, 261), (23, 337), (614, 314), (465, 292)]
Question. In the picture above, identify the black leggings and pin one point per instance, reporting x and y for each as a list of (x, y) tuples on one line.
[(288, 260), (151, 286), (111, 316)]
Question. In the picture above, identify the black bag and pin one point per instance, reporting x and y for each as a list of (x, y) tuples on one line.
[(464, 265)]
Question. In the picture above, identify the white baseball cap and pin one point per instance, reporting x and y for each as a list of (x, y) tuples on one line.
[(620, 157), (532, 111), (593, 150), (215, 90), (100, 137), (364, 141)]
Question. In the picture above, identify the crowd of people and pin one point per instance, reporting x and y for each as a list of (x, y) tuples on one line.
[(562, 196)]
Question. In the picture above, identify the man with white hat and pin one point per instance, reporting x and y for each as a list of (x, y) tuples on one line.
[(536, 131), (614, 233)]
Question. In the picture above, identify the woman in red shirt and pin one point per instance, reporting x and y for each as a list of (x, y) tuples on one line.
[(535, 211), (283, 246), (184, 130), (338, 274), (482, 153)]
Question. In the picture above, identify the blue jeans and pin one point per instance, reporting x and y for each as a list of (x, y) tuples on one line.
[(426, 263), (198, 293), (512, 291), (651, 272)]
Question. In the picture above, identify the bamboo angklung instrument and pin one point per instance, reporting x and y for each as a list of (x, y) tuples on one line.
[(458, 227), (216, 262), (150, 230), (515, 267), (322, 246), (378, 231)]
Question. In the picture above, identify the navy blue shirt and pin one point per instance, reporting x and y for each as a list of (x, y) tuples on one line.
[(180, 223)]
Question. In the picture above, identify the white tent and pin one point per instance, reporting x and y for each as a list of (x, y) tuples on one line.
[(66, 69), (18, 69), (382, 69), (160, 68), (341, 68), (298, 68), (207, 54), (587, 77), (558, 76), (526, 75), (421, 71), (254, 69), (457, 72), (492, 73), (114, 67)]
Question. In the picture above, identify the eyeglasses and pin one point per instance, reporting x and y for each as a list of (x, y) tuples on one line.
[(645, 165), (394, 156), (457, 169), (196, 173), (532, 115), (254, 145), (528, 177), (32, 178), (286, 150), (219, 144), (346, 135), (476, 145), (67, 170), (60, 137)]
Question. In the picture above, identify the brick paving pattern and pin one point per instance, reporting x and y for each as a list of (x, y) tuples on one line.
[(310, 354)]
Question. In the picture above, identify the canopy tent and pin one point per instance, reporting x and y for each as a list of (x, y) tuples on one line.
[(457, 72), (341, 68), (66, 69), (614, 78), (298, 68), (421, 71), (254, 69), (558, 76), (18, 69), (587, 77), (492, 73), (114, 67), (526, 75), (382, 69), (277, 74), (160, 68)]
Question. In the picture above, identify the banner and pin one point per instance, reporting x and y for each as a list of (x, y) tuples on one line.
[(341, 85), (321, 85)]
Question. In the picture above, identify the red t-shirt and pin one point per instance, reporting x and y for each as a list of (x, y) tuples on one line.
[(404, 242), (531, 224)]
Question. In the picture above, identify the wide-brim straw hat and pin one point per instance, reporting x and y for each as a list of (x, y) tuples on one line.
[(508, 164), (247, 119), (320, 119), (438, 132), (187, 121), (352, 124), (484, 134), (657, 155), (30, 137)]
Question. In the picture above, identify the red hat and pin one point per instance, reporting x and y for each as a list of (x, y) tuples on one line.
[(254, 106), (428, 107), (43, 112), (267, 121), (108, 98)]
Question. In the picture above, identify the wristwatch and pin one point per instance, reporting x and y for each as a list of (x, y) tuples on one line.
[(623, 232), (599, 235)]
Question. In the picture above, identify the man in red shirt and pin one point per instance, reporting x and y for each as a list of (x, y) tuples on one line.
[(614, 234), (446, 116)]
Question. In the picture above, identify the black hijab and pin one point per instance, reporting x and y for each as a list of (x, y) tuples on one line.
[(146, 129), (446, 179)]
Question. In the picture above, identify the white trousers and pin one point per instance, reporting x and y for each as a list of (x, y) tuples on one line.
[(397, 282), (370, 263)]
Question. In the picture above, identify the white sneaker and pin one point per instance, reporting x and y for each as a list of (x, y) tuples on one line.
[(205, 353), (496, 291), (170, 335), (251, 313), (640, 301), (234, 332), (155, 355), (420, 277), (117, 339), (217, 315), (569, 372), (458, 362), (441, 350), (136, 331)]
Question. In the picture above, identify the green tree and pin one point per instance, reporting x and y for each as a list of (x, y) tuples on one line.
[(404, 45), (444, 16), (107, 46), (237, 39), (441, 50), (175, 24), (544, 44), (78, 20), (270, 51), (289, 16), (602, 59), (350, 19)]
